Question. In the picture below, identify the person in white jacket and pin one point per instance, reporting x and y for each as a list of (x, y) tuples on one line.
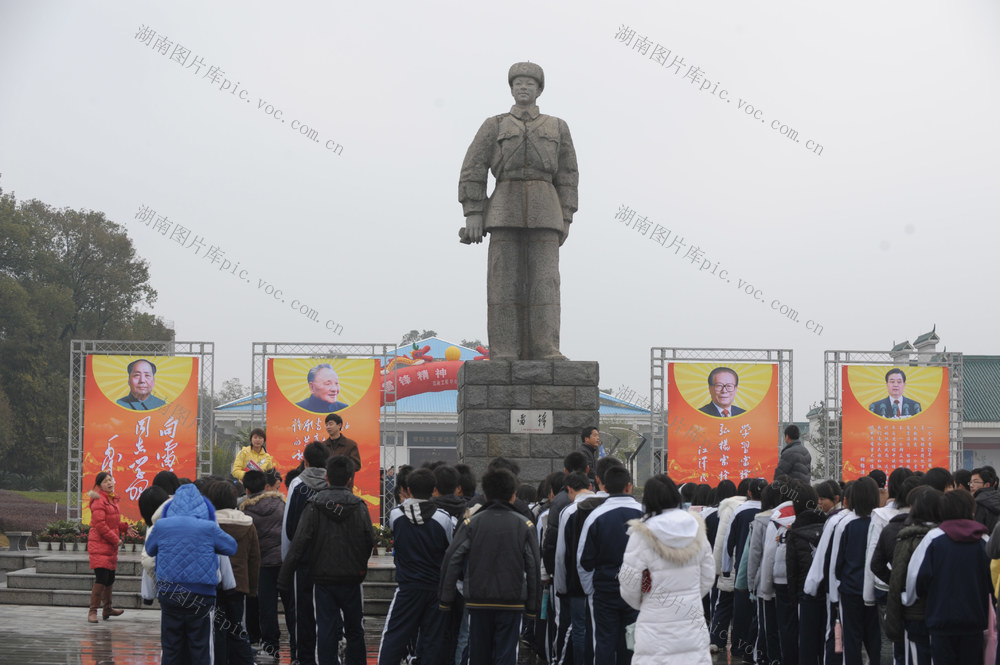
[(666, 571)]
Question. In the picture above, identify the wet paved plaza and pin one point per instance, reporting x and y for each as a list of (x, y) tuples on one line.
[(39, 635)]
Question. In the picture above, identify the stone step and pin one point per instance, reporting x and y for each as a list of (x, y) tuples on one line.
[(17, 560), (377, 608), (65, 578), (78, 563), (381, 574), (56, 597), (378, 590), (29, 578)]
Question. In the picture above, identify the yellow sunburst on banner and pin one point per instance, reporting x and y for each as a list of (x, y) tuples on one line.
[(754, 382), (355, 375), (868, 384), (172, 375)]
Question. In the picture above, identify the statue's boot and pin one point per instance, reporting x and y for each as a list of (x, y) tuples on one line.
[(544, 335)]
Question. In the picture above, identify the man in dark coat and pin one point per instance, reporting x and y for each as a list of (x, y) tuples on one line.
[(795, 461), (336, 529), (590, 446), (338, 444), (984, 488)]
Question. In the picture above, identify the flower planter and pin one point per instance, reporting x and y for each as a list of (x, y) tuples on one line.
[(44, 546), (380, 550)]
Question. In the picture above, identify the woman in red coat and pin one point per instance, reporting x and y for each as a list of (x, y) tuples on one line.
[(106, 528)]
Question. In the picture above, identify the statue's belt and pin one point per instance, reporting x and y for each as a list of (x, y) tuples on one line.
[(533, 177)]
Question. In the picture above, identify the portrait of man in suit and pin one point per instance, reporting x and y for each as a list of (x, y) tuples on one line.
[(141, 381), (895, 405), (722, 385), (324, 384)]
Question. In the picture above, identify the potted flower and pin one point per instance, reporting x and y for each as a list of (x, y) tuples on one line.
[(44, 539), (63, 533), (132, 543), (383, 539), (84, 537), (140, 538)]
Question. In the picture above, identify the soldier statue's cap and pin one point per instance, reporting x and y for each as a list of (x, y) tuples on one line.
[(526, 69)]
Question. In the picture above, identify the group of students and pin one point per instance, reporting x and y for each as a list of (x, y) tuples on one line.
[(897, 567), (220, 553), (570, 567), (779, 572)]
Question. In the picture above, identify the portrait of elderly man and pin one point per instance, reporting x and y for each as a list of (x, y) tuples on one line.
[(527, 217), (324, 384), (141, 381), (722, 385), (896, 405)]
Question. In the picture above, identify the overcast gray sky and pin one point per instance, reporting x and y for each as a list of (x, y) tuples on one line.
[(887, 229)]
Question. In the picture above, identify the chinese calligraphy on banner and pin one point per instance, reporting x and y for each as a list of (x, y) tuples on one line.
[(300, 394), (894, 417), (140, 417), (722, 421)]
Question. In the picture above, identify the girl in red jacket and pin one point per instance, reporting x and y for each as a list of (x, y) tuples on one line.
[(106, 528)]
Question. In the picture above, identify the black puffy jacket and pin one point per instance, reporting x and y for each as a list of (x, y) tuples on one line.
[(336, 532), (496, 553), (882, 555), (988, 507), (794, 462), (800, 548)]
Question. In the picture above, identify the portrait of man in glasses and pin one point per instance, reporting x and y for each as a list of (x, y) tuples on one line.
[(723, 383)]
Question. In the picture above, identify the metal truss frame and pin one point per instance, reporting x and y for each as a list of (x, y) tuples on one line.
[(833, 405), (80, 349), (391, 437), (660, 357)]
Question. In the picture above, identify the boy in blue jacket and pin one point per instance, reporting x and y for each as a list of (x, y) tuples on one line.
[(951, 570), (186, 542)]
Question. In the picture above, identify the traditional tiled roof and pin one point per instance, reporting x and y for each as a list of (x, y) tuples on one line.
[(927, 337), (981, 388)]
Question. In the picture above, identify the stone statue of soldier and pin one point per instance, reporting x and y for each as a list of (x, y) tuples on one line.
[(528, 216)]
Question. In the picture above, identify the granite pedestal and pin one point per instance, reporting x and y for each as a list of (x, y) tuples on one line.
[(488, 391)]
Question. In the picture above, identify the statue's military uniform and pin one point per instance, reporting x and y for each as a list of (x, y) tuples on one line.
[(531, 156)]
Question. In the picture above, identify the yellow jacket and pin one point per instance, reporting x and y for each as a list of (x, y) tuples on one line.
[(246, 455)]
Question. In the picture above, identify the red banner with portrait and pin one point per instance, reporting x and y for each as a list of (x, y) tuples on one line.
[(300, 394), (893, 417), (140, 417), (722, 422)]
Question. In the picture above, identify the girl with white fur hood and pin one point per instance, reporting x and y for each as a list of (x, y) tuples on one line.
[(667, 569)]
